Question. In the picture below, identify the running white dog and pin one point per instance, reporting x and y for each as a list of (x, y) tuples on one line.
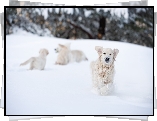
[(103, 70), (65, 55), (37, 62)]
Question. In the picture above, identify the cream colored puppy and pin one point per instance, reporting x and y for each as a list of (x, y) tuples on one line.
[(37, 62), (103, 70), (65, 55)]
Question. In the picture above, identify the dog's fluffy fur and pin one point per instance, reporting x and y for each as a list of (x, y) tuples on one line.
[(65, 55), (103, 70), (37, 62)]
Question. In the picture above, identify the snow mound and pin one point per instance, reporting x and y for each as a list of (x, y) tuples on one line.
[(67, 90)]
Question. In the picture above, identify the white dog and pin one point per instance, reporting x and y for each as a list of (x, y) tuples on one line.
[(65, 55), (37, 62), (103, 70)]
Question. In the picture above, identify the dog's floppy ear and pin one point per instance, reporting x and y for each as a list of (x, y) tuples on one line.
[(115, 53), (98, 49), (68, 45), (61, 45)]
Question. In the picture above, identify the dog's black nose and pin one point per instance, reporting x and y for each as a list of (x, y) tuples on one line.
[(107, 59)]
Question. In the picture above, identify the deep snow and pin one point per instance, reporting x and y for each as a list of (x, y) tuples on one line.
[(66, 90)]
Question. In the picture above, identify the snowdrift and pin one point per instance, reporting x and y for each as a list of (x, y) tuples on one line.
[(66, 90)]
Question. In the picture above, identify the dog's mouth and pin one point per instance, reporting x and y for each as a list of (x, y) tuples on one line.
[(56, 50)]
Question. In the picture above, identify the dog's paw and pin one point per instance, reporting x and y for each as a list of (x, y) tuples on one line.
[(104, 90), (95, 90), (103, 93), (58, 63)]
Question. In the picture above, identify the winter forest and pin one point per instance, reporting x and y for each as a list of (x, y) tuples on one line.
[(135, 25)]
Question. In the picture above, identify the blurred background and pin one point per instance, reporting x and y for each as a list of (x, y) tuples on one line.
[(132, 25)]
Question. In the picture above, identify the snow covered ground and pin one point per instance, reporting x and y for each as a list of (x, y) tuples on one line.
[(66, 90)]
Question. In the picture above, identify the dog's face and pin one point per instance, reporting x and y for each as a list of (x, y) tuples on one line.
[(106, 55), (57, 50), (60, 46), (44, 52)]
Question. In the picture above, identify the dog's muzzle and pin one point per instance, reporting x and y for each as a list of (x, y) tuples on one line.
[(55, 50), (107, 60)]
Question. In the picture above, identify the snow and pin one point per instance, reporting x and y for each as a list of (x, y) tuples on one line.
[(50, 9), (87, 13), (79, 18), (117, 11), (69, 10), (57, 10), (38, 11), (67, 90), (45, 13), (140, 10)]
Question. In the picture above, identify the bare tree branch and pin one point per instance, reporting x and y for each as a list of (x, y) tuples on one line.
[(81, 27)]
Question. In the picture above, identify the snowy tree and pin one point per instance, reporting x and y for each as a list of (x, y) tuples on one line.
[(10, 17), (140, 26), (86, 23)]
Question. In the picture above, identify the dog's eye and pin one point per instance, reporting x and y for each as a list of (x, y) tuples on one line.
[(110, 54), (104, 53)]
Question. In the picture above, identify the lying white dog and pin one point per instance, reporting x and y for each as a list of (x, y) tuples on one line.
[(65, 55), (103, 70), (37, 62)]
